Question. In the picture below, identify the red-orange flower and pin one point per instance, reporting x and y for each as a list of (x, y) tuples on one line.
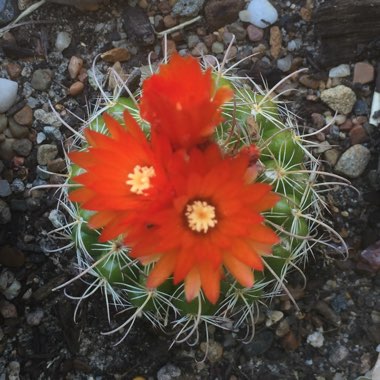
[(213, 222), (123, 176), (182, 103)]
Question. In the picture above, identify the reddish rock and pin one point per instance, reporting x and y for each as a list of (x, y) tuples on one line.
[(170, 21), (358, 135), (116, 55), (76, 88), (255, 34), (309, 82), (346, 126), (170, 46), (24, 116), (363, 73), (305, 13), (275, 41), (290, 342), (14, 70)]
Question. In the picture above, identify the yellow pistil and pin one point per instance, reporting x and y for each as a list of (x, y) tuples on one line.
[(139, 180), (201, 216)]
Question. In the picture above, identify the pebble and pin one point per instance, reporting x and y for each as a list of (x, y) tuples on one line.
[(188, 8), (309, 82), (22, 147), (275, 41), (340, 98), (283, 328), (41, 79), (46, 153), (5, 188), (199, 50), (323, 147), (219, 13), (238, 31), (371, 256), (8, 94), (340, 71), (364, 73), (76, 88), (192, 41), (57, 218), (255, 34), (3, 123), (14, 70), (24, 116), (285, 64), (332, 156), (261, 343), (361, 108), (316, 339), (168, 372), (262, 13), (117, 54), (9, 286), (34, 318), (217, 47), (13, 371), (213, 349), (338, 355), (17, 186), (353, 161), (47, 118), (57, 165), (18, 131), (62, 41), (41, 137), (7, 309), (6, 150), (5, 213), (274, 316), (8, 11), (358, 135), (290, 342), (74, 66), (294, 45)]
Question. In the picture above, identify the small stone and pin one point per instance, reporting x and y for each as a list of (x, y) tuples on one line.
[(62, 41), (305, 14), (338, 354), (75, 66), (346, 126), (5, 213), (361, 108), (274, 317), (34, 318), (8, 94), (168, 372), (14, 70), (8, 11), (371, 256), (213, 349), (353, 161), (17, 186), (285, 64), (217, 47), (138, 26), (340, 71), (332, 156), (283, 328), (358, 135), (290, 342), (5, 188), (56, 166), (244, 16), (340, 98), (261, 343), (275, 41), (192, 41), (309, 82), (22, 147), (47, 118), (228, 37), (199, 50), (170, 21), (318, 120), (171, 47), (24, 116), (294, 45), (41, 79), (316, 339), (118, 54), (255, 34), (188, 8), (9, 286), (3, 123), (13, 371), (262, 13), (219, 13), (7, 309), (323, 147), (76, 88), (46, 153), (6, 150), (364, 73), (18, 131), (238, 31)]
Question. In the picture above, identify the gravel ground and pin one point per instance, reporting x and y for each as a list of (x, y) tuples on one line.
[(336, 334)]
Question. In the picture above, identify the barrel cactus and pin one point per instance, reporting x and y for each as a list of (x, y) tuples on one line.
[(191, 201)]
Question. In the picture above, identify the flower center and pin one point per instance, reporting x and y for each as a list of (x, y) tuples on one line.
[(200, 216), (139, 180)]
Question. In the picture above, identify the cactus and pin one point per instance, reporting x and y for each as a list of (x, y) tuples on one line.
[(253, 116)]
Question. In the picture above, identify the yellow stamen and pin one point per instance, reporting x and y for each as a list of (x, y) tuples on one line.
[(201, 216), (139, 180)]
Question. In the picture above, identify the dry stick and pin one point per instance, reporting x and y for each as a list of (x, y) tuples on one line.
[(178, 27)]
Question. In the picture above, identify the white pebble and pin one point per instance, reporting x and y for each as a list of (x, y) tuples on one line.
[(63, 41), (262, 13), (8, 94), (244, 16), (340, 71), (316, 339), (284, 64)]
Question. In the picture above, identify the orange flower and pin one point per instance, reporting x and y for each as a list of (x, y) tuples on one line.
[(182, 103), (213, 222), (123, 176)]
